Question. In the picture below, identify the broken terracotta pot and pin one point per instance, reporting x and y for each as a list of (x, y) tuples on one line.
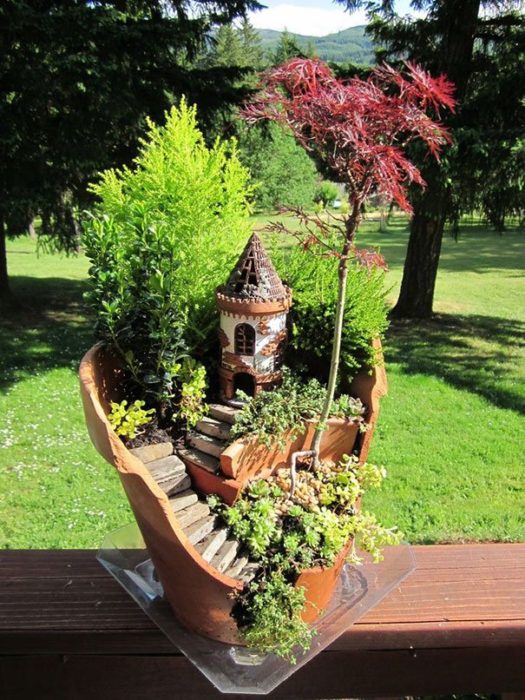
[(200, 595)]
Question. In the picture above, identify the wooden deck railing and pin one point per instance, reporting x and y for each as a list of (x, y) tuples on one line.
[(457, 624)]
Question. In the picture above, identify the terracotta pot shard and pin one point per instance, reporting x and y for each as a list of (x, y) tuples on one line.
[(200, 595)]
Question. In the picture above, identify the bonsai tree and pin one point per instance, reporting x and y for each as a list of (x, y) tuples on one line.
[(359, 130)]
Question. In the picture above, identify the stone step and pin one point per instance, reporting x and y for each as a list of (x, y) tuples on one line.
[(192, 513), (214, 428), (207, 444), (223, 413), (182, 500), (248, 572), (150, 453), (200, 459), (209, 547), (200, 529), (226, 554), (170, 474), (175, 484), (161, 469), (237, 566)]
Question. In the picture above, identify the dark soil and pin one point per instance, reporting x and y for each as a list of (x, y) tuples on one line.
[(153, 433)]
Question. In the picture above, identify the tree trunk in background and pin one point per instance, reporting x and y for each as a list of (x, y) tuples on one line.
[(422, 257), (426, 231), (5, 291)]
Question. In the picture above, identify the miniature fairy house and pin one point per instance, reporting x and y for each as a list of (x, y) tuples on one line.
[(253, 306)]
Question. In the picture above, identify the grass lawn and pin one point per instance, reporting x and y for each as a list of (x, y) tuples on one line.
[(451, 431)]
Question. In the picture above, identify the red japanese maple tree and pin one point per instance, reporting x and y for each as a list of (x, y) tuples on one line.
[(359, 129)]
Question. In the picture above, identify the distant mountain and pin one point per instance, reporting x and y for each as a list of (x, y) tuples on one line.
[(348, 46)]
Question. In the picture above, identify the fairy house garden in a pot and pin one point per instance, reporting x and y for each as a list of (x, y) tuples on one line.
[(216, 398), (231, 544)]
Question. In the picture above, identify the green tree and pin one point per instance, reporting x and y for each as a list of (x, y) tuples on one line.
[(286, 49), (78, 79), (227, 49), (251, 45), (487, 171), (326, 192), (237, 48), (283, 174), (447, 40)]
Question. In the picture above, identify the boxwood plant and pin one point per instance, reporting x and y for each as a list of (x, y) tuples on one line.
[(161, 237)]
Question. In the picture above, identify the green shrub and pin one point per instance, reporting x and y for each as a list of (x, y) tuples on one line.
[(126, 420), (284, 175), (325, 193), (271, 413), (191, 407), (164, 234), (314, 283)]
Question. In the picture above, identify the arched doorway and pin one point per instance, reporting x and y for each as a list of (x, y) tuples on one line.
[(244, 382)]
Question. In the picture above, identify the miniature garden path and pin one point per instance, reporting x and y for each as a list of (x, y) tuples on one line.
[(209, 439), (203, 529)]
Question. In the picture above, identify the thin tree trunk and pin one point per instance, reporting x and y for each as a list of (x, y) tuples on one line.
[(426, 230), (5, 290), (352, 224), (334, 362)]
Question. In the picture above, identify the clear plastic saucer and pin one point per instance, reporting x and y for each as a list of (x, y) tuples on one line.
[(236, 669)]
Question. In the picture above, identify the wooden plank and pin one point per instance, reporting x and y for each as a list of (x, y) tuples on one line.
[(416, 601), (330, 675), (455, 625), (27, 580), (143, 637)]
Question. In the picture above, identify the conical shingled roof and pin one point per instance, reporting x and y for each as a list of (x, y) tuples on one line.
[(254, 277)]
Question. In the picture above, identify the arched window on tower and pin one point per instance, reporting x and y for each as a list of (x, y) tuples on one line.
[(244, 339)]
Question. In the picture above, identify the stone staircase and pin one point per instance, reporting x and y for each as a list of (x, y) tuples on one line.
[(209, 438), (211, 539)]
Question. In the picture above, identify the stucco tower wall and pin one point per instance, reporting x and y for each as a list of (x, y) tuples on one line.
[(268, 329)]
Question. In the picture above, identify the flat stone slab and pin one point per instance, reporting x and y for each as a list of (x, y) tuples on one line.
[(237, 566), (222, 412), (166, 467), (149, 453), (198, 531), (190, 515), (175, 484), (200, 459), (248, 572), (214, 428), (209, 547), (207, 444), (226, 554), (183, 500), (170, 474)]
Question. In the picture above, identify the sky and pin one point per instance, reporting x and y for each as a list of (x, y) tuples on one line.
[(311, 17)]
